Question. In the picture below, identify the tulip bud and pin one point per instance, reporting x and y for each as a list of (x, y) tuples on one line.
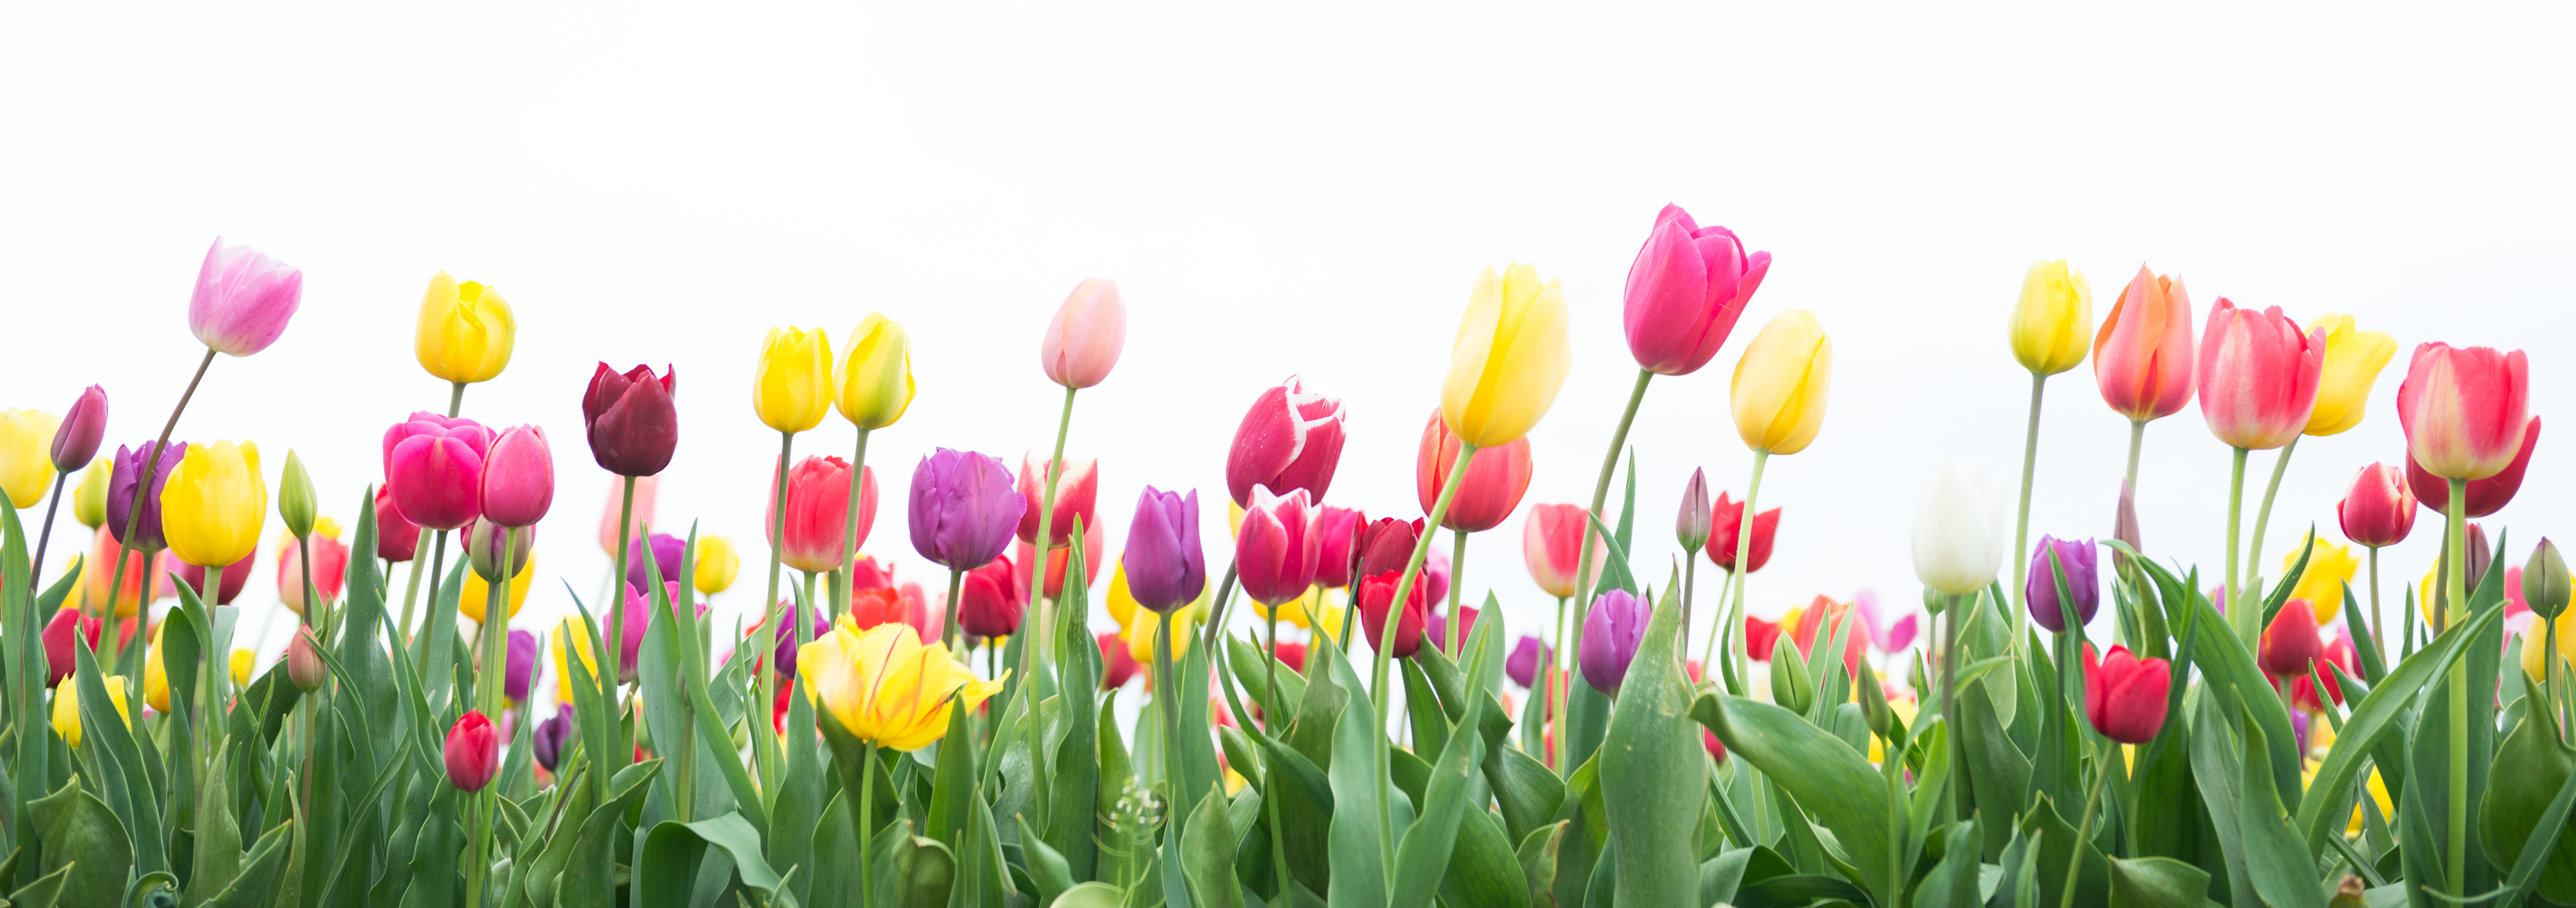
[(2124, 525), (1790, 687), (228, 583), (991, 601), (2464, 410), (1552, 547), (1692, 526), (60, 636), (465, 331), (717, 565), (2481, 556), (1612, 630), (1959, 529), (76, 440), (1290, 439), (657, 552), (1778, 395), (518, 480), (875, 376), (2290, 644), (2083, 583), (1084, 339), (26, 467), (67, 718), (630, 419), (792, 387), (2486, 496), (1338, 542), (1163, 561), (549, 737), (2545, 585), (1277, 550), (396, 536), (473, 752), (519, 666), (2125, 696), (1685, 291), (295, 497), (243, 299), (1523, 664), (1726, 526), (2053, 319), (304, 664), (89, 500), (1376, 599), (483, 544)]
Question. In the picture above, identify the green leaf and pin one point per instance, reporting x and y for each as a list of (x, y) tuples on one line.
[(81, 834), (673, 855), (1652, 765), (1483, 868), (2537, 768), (1208, 854), (2282, 868), (1046, 868), (2157, 883), (1092, 895), (1423, 853), (2374, 717), (1526, 790), (589, 878), (1359, 863), (2229, 671), (955, 783), (1537, 856), (798, 810), (108, 743), (1074, 790), (1838, 788)]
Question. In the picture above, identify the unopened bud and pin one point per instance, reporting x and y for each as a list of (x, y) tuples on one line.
[(1692, 526), (304, 661), (2545, 584), (295, 497)]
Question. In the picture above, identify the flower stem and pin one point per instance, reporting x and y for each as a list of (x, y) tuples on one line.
[(1553, 692), (2378, 619), (1029, 654), (2249, 622), (764, 738), (948, 628), (1378, 690), (1167, 691), (842, 581), (2021, 524), (488, 682), (2455, 544), (1457, 578), (1690, 586), (420, 641), (2084, 829), (1950, 693), (1583, 578), (46, 536), (1744, 558), (2263, 512), (411, 589), (616, 603), (867, 822), (143, 490)]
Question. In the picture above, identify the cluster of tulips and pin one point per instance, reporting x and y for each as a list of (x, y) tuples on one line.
[(844, 749)]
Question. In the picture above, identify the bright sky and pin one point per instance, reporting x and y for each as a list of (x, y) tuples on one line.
[(1281, 193)]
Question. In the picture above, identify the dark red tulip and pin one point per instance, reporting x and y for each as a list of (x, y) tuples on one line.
[(396, 537), (991, 600), (632, 421), (2339, 653)]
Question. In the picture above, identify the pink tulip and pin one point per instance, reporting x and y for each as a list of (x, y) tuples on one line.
[(1290, 439), (1685, 290), (1276, 553), (1552, 543), (473, 752), (1083, 341), (2379, 509), (2258, 376), (1077, 494), (1340, 532), (243, 299), (435, 464), (2142, 355), (2464, 409), (330, 571), (645, 489), (229, 582), (2486, 496), (1023, 556), (518, 482), (1496, 478)]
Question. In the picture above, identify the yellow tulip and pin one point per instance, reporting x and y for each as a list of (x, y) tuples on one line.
[(1330, 611), (2533, 642), (884, 686), (1140, 635), (2353, 360), (89, 500), (156, 679), (579, 635), (1294, 611), (1122, 604), (466, 331), (67, 720), (470, 599), (2329, 568), (27, 455), (212, 509), (793, 387), (242, 662), (1779, 390), (1508, 360), (2052, 325), (717, 565), (876, 373)]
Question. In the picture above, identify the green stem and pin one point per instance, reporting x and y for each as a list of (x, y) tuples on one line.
[(46, 537), (1744, 559), (1166, 694), (411, 589), (1457, 578), (867, 823), (420, 640), (948, 629), (2084, 829), (849, 527), (1029, 654), (2455, 544), (616, 604), (1717, 630), (1554, 687), (1382, 696), (2378, 619), (764, 739), (1690, 586), (143, 482), (2263, 514), (1270, 712), (487, 698), (2021, 525), (1583, 579), (2137, 440), (1950, 693), (2248, 621)]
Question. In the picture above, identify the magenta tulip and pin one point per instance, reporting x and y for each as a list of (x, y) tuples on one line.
[(1685, 290), (519, 478), (1291, 439), (83, 427), (435, 466), (1276, 552), (123, 483), (396, 536), (1338, 531)]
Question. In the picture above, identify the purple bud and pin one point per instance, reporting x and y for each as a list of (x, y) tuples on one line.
[(1692, 526), (1524, 661), (1611, 635), (522, 667), (2077, 559), (77, 439), (550, 736), (121, 487), (1166, 568)]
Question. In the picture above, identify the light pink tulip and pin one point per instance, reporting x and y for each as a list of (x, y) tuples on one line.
[(243, 299), (1084, 340)]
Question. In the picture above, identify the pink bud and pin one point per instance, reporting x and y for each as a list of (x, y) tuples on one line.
[(473, 752), (518, 482), (1084, 340)]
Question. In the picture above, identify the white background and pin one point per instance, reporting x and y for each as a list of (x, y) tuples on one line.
[(1280, 193)]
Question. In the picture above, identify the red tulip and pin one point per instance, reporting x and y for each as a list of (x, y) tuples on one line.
[(1291, 439), (990, 600), (1338, 538), (396, 536), (2291, 643), (2379, 509), (66, 626), (1117, 666), (2142, 355), (434, 464), (2124, 695), (2258, 375), (473, 752), (1496, 478), (1716, 748), (1685, 290), (2486, 496), (1552, 546), (1377, 597), (2464, 410), (518, 484), (227, 588), (2304, 692), (1293, 655), (1726, 522), (304, 665), (1386, 544), (1759, 637), (1276, 551), (1077, 494), (1023, 555), (818, 507)]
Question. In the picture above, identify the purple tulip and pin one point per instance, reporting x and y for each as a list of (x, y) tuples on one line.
[(550, 736), (630, 640), (964, 509), (77, 439), (1611, 635), (522, 667), (518, 481), (1165, 567), (665, 550), (1526, 657), (243, 299), (786, 656), (121, 489), (2082, 581)]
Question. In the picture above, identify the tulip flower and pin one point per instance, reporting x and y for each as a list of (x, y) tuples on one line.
[(885, 687), (2290, 644), (214, 503), (581, 641), (473, 752), (1778, 396), (1024, 557), (1811, 628), (1387, 544), (77, 438), (1726, 519), (1685, 290), (2303, 692), (1376, 597), (1084, 339), (788, 613), (59, 637), (1759, 637), (520, 666), (1959, 529), (95, 566), (26, 460), (1077, 495), (792, 387), (630, 419), (2143, 357), (1439, 629), (2379, 508), (2330, 566), (471, 597), (638, 522), (485, 546), (1292, 656), (549, 737), (2464, 410), (89, 500), (1337, 543), (435, 466), (1509, 359), (243, 299), (330, 571), (717, 565), (1552, 542), (874, 605), (465, 331), (67, 718), (1496, 479), (228, 585), (963, 509), (2125, 696), (1291, 439), (2352, 363), (663, 551), (1612, 630), (2052, 319), (1163, 562), (1523, 664), (1692, 526), (991, 600), (2258, 376), (1116, 666), (1277, 552), (145, 530), (2079, 561), (2486, 496), (818, 504), (518, 480)]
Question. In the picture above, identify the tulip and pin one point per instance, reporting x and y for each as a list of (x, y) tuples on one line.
[(639, 608), (77, 438), (2545, 583), (2464, 410), (663, 551), (518, 481), (1612, 630), (1277, 552), (465, 332), (1523, 664), (243, 299), (435, 466), (67, 718), (874, 605), (1726, 519), (1759, 638), (2290, 644), (471, 598), (1077, 495), (89, 500), (1163, 561), (1778, 396), (60, 633), (2379, 509), (214, 503), (145, 528), (2125, 696), (717, 565), (875, 374), (1083, 341), (304, 665), (630, 419), (2258, 376), (228, 586), (818, 506), (1291, 439), (792, 388), (1685, 290), (785, 656), (1509, 359), (520, 666), (1376, 597), (2303, 692), (2330, 566), (100, 561), (1812, 628), (26, 462), (991, 600), (1337, 543), (1147, 623), (1496, 479), (1552, 541), (1691, 528), (1024, 557), (2051, 320), (2079, 562), (638, 521), (1117, 667), (485, 546), (2486, 496), (963, 509), (1440, 630), (581, 641), (2353, 359), (1384, 545), (549, 737), (1900, 634), (885, 687), (240, 665), (473, 752), (2143, 353), (1959, 529), (330, 572)]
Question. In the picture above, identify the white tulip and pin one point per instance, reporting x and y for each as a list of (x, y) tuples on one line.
[(1959, 529)]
